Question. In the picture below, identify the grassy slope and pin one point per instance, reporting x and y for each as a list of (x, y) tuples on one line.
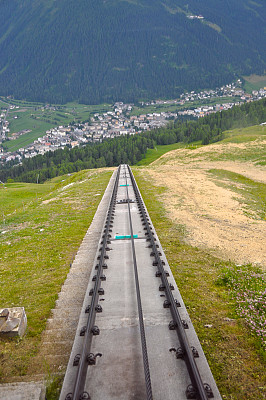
[(37, 243), (228, 345), (241, 135), (248, 134), (235, 357), (159, 150)]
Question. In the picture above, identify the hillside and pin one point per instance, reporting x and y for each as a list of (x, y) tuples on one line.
[(218, 193), (211, 222), (89, 51), (219, 187)]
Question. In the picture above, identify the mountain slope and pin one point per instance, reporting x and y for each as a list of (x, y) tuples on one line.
[(60, 50)]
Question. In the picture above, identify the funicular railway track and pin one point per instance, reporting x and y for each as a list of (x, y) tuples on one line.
[(135, 339)]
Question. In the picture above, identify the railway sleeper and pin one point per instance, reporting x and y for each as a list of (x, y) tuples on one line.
[(158, 274), (191, 392), (162, 287), (108, 236), (83, 396), (91, 358), (156, 263), (180, 352), (100, 291), (158, 253), (104, 266), (151, 246), (102, 278), (105, 257), (173, 325)]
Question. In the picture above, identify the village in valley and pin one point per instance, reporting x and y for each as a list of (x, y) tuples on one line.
[(120, 120)]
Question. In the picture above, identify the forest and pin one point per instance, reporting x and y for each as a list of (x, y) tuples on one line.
[(106, 51), (131, 149)]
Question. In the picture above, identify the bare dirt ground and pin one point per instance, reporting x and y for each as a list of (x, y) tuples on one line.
[(212, 215)]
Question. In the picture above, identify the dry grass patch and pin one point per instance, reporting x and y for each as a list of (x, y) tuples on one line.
[(234, 355)]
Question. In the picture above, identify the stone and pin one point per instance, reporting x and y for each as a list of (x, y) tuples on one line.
[(15, 323), (4, 312), (3, 316), (10, 324)]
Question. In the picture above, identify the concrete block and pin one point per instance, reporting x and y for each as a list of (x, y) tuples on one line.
[(22, 391), (3, 316), (15, 324)]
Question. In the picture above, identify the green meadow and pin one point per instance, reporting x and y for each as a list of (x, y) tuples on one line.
[(248, 134), (171, 107), (159, 150), (242, 135), (41, 228), (38, 118), (254, 82)]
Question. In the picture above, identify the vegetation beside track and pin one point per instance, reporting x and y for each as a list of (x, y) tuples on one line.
[(41, 228), (234, 354), (159, 150)]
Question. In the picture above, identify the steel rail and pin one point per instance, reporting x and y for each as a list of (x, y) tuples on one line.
[(78, 389), (198, 386), (141, 320)]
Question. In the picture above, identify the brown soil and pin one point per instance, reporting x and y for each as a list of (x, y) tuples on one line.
[(212, 215)]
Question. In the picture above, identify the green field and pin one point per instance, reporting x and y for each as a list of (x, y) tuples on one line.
[(14, 196), (177, 107), (159, 150), (242, 135), (247, 144), (38, 118), (38, 129), (3, 104), (254, 82), (255, 153)]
